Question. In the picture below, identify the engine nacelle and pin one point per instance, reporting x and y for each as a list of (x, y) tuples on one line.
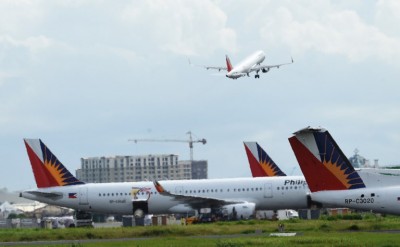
[(265, 70), (239, 211)]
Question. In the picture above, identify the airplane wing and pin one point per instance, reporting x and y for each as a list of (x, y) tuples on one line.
[(195, 201), (208, 67), (267, 67)]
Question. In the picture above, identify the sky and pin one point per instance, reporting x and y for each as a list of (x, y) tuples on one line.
[(86, 76)]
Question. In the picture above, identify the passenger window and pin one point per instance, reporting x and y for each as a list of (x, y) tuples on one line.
[(372, 194), (277, 188)]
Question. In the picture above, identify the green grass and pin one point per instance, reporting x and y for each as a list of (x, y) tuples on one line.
[(329, 232)]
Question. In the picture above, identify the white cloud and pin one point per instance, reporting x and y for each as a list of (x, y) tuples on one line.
[(182, 27), (329, 30), (387, 17)]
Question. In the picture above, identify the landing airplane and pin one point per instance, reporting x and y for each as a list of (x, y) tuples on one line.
[(334, 181), (57, 186), (261, 164), (251, 64)]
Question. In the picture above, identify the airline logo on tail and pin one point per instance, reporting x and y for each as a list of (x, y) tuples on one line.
[(261, 164), (323, 163), (48, 170), (229, 66)]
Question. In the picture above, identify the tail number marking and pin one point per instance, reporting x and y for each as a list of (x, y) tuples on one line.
[(359, 201)]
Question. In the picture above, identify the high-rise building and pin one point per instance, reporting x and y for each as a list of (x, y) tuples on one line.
[(136, 168), (199, 169)]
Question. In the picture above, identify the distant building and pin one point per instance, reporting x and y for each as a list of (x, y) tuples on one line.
[(359, 161), (136, 168), (199, 169)]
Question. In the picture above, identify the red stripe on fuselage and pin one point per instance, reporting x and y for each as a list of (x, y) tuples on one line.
[(318, 177), (42, 175), (255, 167)]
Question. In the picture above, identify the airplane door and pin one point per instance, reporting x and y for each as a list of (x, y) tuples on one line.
[(267, 190), (179, 190), (83, 196)]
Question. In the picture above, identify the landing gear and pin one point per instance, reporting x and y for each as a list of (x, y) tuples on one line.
[(257, 76)]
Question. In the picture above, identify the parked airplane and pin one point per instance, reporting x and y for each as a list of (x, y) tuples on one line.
[(57, 186), (370, 176), (261, 164), (251, 64), (334, 181)]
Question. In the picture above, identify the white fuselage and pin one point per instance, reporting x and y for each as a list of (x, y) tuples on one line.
[(381, 195), (380, 200), (244, 67), (116, 198)]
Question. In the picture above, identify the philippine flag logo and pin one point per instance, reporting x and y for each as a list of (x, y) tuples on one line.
[(72, 195)]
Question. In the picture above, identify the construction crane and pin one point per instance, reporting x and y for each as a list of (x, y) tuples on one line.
[(190, 141)]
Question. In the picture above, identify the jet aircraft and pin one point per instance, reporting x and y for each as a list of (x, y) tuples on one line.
[(57, 186), (334, 181), (250, 64)]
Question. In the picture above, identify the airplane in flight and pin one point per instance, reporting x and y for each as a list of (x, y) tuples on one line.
[(57, 186), (261, 164), (334, 181), (250, 64)]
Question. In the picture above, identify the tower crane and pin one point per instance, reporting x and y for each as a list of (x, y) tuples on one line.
[(190, 141)]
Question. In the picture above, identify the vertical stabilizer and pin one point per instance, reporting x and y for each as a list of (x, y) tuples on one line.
[(229, 66), (261, 164), (47, 169), (323, 164)]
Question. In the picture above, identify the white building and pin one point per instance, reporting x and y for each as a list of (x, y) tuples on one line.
[(133, 168)]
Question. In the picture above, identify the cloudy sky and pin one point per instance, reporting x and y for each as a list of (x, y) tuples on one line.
[(85, 76)]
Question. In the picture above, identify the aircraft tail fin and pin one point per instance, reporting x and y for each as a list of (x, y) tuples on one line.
[(323, 164), (229, 66), (261, 164), (47, 169)]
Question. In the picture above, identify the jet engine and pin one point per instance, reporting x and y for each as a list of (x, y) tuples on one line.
[(265, 70), (244, 210)]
